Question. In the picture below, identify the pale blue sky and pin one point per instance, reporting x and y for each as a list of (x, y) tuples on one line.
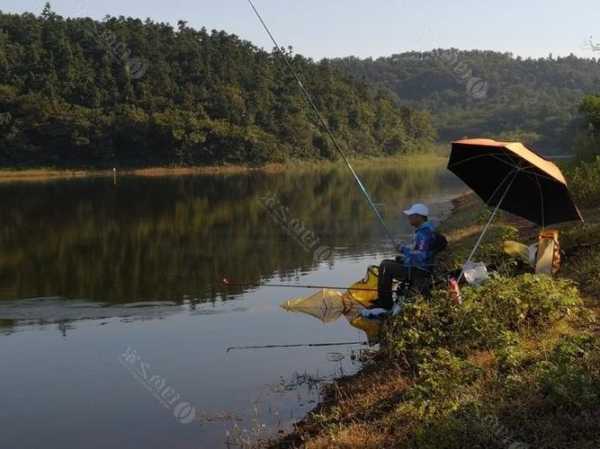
[(329, 28)]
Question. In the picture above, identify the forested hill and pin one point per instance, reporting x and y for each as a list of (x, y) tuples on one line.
[(473, 93), (123, 91)]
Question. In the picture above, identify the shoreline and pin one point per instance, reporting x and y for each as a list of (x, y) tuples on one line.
[(367, 373), (354, 408), (51, 174)]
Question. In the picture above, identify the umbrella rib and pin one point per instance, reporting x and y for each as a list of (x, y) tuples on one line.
[(479, 156), (540, 175), (514, 163), (501, 184), (537, 181)]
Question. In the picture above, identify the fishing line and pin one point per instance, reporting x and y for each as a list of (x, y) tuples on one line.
[(323, 123), (227, 283), (300, 345)]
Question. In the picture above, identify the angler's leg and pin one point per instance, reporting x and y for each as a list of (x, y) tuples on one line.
[(388, 271)]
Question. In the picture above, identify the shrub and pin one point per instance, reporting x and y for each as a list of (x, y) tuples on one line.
[(489, 317), (585, 183), (582, 245), (441, 377), (587, 271), (570, 378)]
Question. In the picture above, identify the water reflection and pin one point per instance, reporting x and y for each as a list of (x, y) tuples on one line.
[(167, 239), (101, 268)]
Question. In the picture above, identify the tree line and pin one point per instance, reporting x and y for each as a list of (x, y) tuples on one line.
[(535, 100), (127, 92)]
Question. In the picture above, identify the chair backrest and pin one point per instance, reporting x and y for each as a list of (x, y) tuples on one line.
[(440, 243)]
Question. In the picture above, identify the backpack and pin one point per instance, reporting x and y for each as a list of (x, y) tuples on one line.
[(440, 242)]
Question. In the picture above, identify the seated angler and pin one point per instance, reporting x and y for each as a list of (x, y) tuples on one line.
[(415, 262)]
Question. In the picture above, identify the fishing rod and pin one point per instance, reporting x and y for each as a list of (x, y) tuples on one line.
[(227, 283), (301, 345), (324, 124)]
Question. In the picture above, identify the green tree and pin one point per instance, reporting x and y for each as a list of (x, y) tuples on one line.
[(69, 97)]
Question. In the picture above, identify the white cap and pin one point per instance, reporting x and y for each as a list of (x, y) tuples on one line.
[(418, 209)]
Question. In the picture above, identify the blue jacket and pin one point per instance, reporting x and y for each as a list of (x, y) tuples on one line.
[(421, 255)]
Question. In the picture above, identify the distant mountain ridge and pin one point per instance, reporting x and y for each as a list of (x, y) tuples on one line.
[(475, 93)]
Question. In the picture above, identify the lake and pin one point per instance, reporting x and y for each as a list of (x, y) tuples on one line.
[(114, 322)]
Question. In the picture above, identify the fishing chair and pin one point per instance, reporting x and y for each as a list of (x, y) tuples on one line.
[(421, 281)]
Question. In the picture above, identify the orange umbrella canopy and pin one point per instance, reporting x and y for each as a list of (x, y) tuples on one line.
[(514, 178)]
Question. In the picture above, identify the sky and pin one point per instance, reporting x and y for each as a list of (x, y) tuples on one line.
[(337, 28)]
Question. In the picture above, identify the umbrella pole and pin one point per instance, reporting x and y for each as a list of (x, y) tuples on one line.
[(487, 225)]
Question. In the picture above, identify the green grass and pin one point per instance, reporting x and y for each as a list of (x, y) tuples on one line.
[(429, 157)]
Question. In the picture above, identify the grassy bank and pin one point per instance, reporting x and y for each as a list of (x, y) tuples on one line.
[(49, 173), (516, 365)]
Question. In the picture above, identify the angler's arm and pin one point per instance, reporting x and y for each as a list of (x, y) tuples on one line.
[(419, 255)]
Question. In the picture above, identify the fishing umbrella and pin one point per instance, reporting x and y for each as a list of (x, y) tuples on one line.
[(511, 177)]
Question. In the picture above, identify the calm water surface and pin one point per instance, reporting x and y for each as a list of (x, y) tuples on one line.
[(114, 325)]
